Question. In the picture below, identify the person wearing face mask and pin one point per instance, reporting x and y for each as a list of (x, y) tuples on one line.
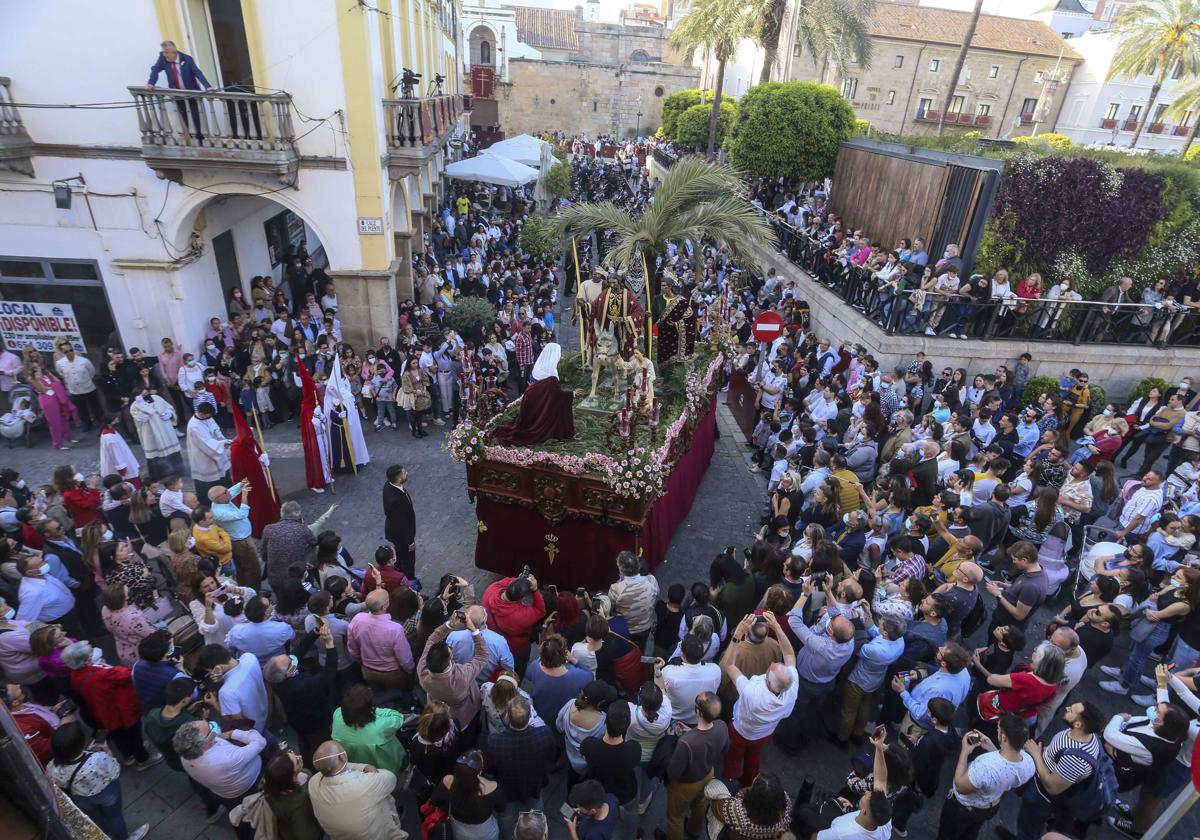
[(208, 450), (107, 697), (306, 695), (44, 597), (241, 691)]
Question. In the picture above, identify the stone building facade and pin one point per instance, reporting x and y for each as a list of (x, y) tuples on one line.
[(588, 98), (1010, 63)]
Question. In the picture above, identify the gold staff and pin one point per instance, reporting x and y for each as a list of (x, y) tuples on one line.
[(649, 310), (262, 445)]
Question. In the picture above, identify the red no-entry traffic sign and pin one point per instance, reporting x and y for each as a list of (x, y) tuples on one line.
[(768, 326)]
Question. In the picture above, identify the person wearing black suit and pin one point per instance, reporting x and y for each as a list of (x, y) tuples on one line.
[(400, 521), (925, 474)]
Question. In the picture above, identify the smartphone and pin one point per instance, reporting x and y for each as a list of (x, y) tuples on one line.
[(462, 615), (649, 660), (553, 590), (880, 730), (568, 813), (581, 592), (219, 592)]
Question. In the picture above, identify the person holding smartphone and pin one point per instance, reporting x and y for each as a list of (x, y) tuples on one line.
[(982, 776)]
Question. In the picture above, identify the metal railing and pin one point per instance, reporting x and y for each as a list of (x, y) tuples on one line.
[(214, 119), (915, 312), (665, 157), (10, 117), (413, 124)]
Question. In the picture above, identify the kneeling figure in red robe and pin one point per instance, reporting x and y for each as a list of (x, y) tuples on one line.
[(546, 408)]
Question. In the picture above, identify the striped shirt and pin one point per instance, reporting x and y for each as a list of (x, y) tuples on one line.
[(1070, 767)]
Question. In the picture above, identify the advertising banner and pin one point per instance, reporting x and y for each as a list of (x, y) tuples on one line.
[(43, 325)]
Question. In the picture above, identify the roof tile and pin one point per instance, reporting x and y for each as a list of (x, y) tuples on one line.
[(549, 28), (946, 26)]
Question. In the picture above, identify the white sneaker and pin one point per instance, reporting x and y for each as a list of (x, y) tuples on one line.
[(1114, 687), (438, 421), (139, 832), (1149, 682), (1144, 700), (964, 337), (317, 489), (929, 331), (1111, 671)]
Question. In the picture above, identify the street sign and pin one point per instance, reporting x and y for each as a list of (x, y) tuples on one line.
[(768, 326), (368, 226)]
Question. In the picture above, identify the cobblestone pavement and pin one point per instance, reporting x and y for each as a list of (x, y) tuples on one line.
[(726, 511)]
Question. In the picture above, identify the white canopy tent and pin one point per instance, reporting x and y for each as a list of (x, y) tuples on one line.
[(523, 148), (492, 169)]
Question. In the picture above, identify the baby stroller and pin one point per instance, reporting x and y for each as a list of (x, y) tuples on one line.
[(21, 417)]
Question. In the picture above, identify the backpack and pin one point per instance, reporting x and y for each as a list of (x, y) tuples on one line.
[(1088, 800), (974, 619)]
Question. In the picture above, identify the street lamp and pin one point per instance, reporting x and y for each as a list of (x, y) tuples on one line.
[(638, 130)]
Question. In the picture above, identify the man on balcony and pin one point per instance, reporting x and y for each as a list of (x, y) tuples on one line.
[(182, 74)]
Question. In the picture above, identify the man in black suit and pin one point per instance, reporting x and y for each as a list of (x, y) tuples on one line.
[(925, 474), (400, 521)]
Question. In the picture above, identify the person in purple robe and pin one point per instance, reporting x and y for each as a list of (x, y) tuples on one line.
[(546, 407)]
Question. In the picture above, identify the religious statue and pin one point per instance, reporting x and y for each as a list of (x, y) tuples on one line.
[(617, 312), (605, 355), (546, 407), (589, 290), (677, 325), (638, 372)]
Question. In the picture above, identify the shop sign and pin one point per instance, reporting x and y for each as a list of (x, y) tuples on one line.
[(44, 325)]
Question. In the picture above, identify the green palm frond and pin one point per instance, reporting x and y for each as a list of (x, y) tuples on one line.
[(1155, 35), (1187, 98), (836, 31), (716, 25)]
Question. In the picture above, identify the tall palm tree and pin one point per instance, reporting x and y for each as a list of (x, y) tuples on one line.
[(695, 199), (834, 31), (1154, 38), (716, 26), (1187, 101), (958, 64)]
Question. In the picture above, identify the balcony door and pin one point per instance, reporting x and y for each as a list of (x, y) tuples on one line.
[(219, 38)]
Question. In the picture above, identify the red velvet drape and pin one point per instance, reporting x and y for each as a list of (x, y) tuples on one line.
[(516, 536)]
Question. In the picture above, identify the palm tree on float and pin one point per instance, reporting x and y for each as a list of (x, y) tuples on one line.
[(1187, 103), (958, 64), (716, 26), (835, 32), (1156, 37), (695, 199)]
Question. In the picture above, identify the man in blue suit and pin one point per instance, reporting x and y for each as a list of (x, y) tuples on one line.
[(182, 74)]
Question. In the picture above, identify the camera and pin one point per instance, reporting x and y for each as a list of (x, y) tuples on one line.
[(973, 738), (819, 578), (524, 572)]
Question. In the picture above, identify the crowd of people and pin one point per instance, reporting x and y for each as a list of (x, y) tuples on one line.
[(917, 530), (908, 290)]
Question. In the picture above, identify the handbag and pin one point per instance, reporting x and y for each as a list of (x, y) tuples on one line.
[(185, 633), (1141, 628)]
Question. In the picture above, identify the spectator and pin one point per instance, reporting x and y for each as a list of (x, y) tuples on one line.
[(521, 756), (368, 732), (692, 765), (381, 645), (983, 775), (285, 789), (1024, 690), (885, 646), (352, 801), (228, 764), (242, 692), (471, 799), (634, 596), (258, 634), (126, 623), (108, 700), (763, 703), (951, 681), (596, 812), (824, 652), (583, 718), (92, 778), (162, 722), (462, 645), (384, 573), (287, 541), (305, 695), (157, 665), (755, 653), (613, 761), (450, 682), (761, 809), (234, 519), (1172, 604), (514, 608), (1017, 600), (553, 681), (1075, 664)]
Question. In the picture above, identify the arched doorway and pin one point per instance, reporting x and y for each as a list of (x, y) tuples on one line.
[(483, 46)]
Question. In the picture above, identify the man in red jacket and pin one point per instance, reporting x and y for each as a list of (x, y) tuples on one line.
[(514, 608)]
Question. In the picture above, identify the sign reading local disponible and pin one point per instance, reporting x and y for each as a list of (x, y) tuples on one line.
[(44, 325)]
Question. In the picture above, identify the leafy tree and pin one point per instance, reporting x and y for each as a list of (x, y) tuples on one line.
[(542, 235), (691, 129), (471, 316), (716, 26), (833, 31), (558, 179), (672, 106), (695, 199), (1056, 142), (1192, 154), (1154, 37), (789, 128)]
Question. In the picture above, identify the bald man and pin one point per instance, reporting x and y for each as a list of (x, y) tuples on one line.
[(1077, 662), (234, 519), (353, 801), (962, 589), (380, 645)]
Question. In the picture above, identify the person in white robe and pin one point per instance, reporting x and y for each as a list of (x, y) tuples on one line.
[(337, 391), (154, 419), (321, 430), (208, 451), (116, 456)]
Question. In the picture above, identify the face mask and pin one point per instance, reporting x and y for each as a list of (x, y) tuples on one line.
[(846, 518), (1152, 713), (190, 363), (212, 724), (908, 523), (211, 348), (210, 379), (1175, 584), (295, 664), (10, 614), (858, 438), (20, 485), (191, 542), (78, 477), (108, 535), (97, 655), (171, 650), (1185, 386), (44, 570)]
